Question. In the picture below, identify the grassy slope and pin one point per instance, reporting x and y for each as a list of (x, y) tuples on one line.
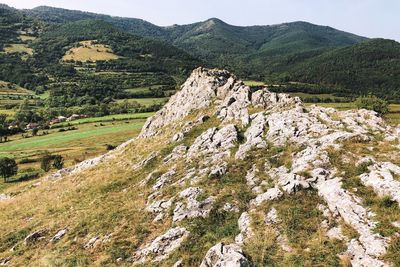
[(90, 52), (108, 118), (89, 140), (94, 204), (61, 139)]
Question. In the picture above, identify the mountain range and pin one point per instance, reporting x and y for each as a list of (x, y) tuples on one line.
[(276, 53)]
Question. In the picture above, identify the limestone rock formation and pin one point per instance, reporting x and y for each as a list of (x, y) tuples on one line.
[(224, 161), (222, 255), (161, 247), (281, 120)]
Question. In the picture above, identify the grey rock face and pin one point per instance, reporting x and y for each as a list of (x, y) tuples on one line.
[(4, 197), (164, 179), (244, 223), (177, 152), (159, 208), (191, 207), (92, 243), (199, 91), (214, 141), (381, 179), (254, 136), (161, 247), (222, 255), (234, 107), (58, 235), (271, 194), (350, 209)]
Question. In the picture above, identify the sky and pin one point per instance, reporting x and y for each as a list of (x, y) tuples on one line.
[(370, 18)]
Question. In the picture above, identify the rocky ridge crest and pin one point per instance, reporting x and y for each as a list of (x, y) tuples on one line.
[(250, 120), (222, 163)]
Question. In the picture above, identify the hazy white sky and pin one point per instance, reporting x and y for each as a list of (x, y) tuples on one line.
[(371, 18)]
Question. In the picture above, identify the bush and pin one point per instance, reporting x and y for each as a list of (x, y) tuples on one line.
[(58, 162), (110, 147), (374, 103), (8, 168), (45, 162), (35, 131)]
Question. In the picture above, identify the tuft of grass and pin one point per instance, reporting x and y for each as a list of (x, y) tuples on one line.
[(393, 252), (205, 233)]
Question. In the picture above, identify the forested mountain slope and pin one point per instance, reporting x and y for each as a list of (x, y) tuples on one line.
[(288, 52)]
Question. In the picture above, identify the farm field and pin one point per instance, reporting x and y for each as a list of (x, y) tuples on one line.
[(26, 38), (147, 101), (116, 117), (90, 51), (18, 48), (253, 83), (319, 96), (88, 140)]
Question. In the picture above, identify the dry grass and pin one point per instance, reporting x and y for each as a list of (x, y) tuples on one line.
[(26, 38), (97, 202), (90, 51), (18, 48)]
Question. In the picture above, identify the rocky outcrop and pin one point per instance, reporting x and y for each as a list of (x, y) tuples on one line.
[(245, 228), (164, 179), (214, 142), (161, 247), (58, 236), (279, 121), (199, 91), (222, 255), (381, 179), (190, 207), (159, 208), (4, 197), (369, 245), (243, 123), (271, 194)]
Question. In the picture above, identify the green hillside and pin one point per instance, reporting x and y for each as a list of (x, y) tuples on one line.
[(59, 15), (332, 60)]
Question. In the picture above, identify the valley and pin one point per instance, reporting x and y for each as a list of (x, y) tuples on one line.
[(125, 143)]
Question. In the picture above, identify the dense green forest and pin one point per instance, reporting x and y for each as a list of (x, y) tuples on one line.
[(369, 67), (152, 61)]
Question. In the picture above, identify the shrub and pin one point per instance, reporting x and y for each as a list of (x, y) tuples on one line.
[(35, 131), (58, 162), (45, 162), (374, 103), (8, 168), (110, 147)]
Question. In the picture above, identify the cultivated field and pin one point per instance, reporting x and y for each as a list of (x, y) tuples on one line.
[(87, 138), (90, 51)]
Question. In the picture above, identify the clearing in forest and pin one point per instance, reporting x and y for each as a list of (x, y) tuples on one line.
[(90, 51)]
